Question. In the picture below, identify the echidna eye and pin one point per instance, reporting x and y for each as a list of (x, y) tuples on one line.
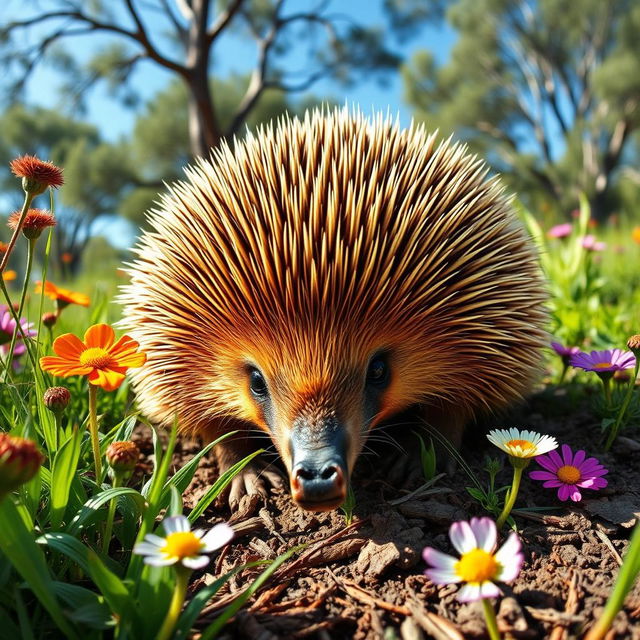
[(378, 372), (258, 384)]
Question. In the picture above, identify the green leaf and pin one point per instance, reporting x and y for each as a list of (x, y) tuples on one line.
[(215, 627), (63, 473), (219, 485), (113, 589), (90, 507), (18, 545), (67, 545), (86, 607), (175, 503)]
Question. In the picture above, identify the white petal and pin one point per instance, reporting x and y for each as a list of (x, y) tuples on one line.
[(220, 535), (509, 550), (469, 592), (439, 560), (154, 539), (546, 444), (160, 561), (511, 570), (175, 524), (198, 533), (462, 537), (146, 549), (484, 530), (195, 562), (442, 576), (489, 590)]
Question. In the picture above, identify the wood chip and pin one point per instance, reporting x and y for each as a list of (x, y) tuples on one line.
[(436, 626)]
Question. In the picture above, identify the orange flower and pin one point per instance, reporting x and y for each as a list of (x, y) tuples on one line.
[(66, 257), (35, 222), (3, 247), (635, 235), (104, 362), (9, 275), (36, 174), (62, 296)]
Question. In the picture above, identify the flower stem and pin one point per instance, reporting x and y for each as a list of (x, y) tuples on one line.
[(606, 386), (28, 198), (30, 253), (490, 617), (112, 512), (93, 430), (179, 593), (565, 368), (613, 432), (624, 582), (511, 496)]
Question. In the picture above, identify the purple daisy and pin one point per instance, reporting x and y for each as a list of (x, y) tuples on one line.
[(563, 351), (570, 473), (560, 230), (607, 360), (7, 327)]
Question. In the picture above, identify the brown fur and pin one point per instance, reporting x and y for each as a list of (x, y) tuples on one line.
[(310, 246)]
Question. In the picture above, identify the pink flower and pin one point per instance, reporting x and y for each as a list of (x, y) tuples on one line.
[(604, 361), (591, 244), (7, 327), (570, 473), (479, 565), (564, 352), (560, 230)]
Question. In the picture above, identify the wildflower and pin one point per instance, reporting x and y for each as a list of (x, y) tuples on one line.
[(66, 258), (605, 361), (521, 444), (570, 473), (3, 247), (480, 566), (49, 319), (56, 399), (62, 297), (590, 243), (122, 457), (635, 235), (633, 344), (7, 329), (36, 174), (565, 353), (181, 545), (34, 223), (560, 230), (99, 357), (20, 460), (9, 275)]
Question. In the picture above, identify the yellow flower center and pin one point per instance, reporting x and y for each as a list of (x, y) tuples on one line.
[(569, 474), (182, 544), (95, 357), (477, 565), (603, 365), (523, 444)]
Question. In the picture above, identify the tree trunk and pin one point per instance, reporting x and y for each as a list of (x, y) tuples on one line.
[(204, 131)]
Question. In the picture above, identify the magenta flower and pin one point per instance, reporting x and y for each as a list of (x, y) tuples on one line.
[(570, 473), (591, 244), (564, 352), (7, 327), (479, 565), (607, 360), (560, 230)]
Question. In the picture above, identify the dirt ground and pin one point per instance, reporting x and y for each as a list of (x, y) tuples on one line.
[(366, 581)]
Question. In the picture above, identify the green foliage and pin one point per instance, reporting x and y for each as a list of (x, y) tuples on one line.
[(546, 91), (348, 506), (427, 458)]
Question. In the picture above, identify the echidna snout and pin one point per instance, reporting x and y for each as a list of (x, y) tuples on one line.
[(322, 276)]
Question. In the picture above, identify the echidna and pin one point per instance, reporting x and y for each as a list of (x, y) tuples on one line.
[(323, 275)]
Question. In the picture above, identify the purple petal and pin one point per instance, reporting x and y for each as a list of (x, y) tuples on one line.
[(575, 494), (543, 475), (553, 484), (579, 457), (439, 560), (555, 458), (546, 462), (564, 492), (567, 455), (484, 529)]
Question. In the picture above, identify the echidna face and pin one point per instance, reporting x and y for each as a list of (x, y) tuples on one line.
[(324, 274)]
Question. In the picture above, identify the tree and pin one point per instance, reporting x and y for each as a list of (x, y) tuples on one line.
[(184, 39), (548, 90)]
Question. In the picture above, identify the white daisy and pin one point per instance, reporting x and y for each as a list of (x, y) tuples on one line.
[(479, 565), (522, 444), (182, 545)]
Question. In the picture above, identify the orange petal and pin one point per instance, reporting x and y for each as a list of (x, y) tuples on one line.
[(131, 360), (108, 379), (125, 353), (68, 346), (99, 335), (62, 368)]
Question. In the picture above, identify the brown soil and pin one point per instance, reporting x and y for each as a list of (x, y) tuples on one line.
[(366, 580)]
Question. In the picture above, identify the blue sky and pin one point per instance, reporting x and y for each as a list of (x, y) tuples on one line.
[(236, 55)]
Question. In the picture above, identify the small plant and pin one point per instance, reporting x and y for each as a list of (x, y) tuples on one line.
[(427, 458), (349, 505), (489, 498)]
